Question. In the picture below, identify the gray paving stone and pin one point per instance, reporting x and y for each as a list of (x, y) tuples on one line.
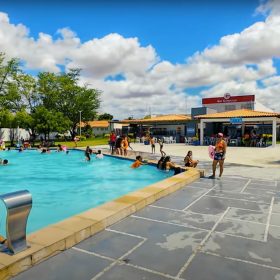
[(169, 252), (274, 234), (263, 182), (263, 186), (147, 229), (276, 205), (275, 219), (214, 205), (260, 191), (109, 244), (124, 272), (183, 218), (217, 268), (232, 186), (209, 184), (247, 215), (261, 198), (242, 228), (70, 265), (226, 178), (265, 253), (181, 199)]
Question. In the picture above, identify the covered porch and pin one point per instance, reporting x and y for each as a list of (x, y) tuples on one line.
[(240, 126), (169, 128)]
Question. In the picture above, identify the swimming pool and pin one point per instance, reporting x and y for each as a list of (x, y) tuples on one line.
[(63, 185)]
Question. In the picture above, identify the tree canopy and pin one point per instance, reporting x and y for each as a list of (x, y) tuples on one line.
[(45, 103), (105, 116)]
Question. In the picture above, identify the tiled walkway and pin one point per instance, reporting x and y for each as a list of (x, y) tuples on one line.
[(210, 230)]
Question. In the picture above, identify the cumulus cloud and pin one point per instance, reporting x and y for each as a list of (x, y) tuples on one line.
[(240, 63)]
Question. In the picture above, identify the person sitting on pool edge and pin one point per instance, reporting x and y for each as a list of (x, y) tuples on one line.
[(138, 162), (189, 161)]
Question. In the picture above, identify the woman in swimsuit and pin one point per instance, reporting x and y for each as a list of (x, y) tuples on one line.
[(219, 157), (125, 145)]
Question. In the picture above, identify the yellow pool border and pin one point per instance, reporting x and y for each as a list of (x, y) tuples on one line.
[(63, 235)]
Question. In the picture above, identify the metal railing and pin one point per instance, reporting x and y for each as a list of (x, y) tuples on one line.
[(18, 205)]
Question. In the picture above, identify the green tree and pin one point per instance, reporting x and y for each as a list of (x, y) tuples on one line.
[(7, 120), (46, 121), (26, 120), (105, 116), (8, 72), (62, 93)]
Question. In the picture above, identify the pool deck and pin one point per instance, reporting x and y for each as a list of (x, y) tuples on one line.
[(61, 236), (209, 229)]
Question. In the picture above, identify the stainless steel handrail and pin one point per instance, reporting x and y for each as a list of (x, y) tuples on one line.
[(18, 205)]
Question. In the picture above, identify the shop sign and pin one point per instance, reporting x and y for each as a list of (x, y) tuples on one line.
[(236, 120), (190, 130)]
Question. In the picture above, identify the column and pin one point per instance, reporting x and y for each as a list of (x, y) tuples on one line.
[(274, 132), (242, 129), (201, 131)]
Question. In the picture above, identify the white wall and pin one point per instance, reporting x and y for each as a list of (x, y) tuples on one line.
[(5, 134), (221, 107), (101, 130), (171, 127)]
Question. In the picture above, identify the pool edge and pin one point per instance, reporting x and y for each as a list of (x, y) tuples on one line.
[(63, 235)]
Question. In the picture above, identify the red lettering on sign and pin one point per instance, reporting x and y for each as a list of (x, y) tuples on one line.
[(232, 99)]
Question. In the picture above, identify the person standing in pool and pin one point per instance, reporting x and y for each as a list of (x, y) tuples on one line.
[(87, 156), (219, 157)]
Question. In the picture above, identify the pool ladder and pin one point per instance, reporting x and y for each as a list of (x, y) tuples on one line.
[(18, 205)]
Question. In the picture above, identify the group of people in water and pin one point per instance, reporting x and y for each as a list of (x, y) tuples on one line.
[(119, 144), (165, 163), (89, 152)]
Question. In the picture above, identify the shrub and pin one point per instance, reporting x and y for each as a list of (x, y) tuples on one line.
[(82, 138)]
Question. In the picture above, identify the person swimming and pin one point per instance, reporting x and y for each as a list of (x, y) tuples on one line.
[(138, 162), (99, 155), (4, 162)]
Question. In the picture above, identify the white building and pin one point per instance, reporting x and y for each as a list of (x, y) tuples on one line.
[(230, 103)]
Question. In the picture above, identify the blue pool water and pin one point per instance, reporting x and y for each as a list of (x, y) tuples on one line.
[(64, 185)]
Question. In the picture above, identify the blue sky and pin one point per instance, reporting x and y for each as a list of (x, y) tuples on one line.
[(161, 54), (177, 29)]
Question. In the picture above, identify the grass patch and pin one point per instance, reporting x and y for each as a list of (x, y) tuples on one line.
[(89, 142)]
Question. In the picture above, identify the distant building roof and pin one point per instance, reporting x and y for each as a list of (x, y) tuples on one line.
[(243, 113), (160, 119), (95, 124)]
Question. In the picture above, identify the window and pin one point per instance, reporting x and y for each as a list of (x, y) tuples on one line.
[(230, 107), (247, 106)]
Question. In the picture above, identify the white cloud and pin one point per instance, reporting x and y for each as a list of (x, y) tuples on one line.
[(240, 63)]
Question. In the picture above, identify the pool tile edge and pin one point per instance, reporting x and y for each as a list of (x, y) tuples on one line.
[(53, 239)]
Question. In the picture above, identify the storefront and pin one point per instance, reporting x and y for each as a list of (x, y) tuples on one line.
[(237, 124), (161, 126)]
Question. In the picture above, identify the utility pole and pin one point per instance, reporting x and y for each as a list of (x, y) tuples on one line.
[(80, 123)]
